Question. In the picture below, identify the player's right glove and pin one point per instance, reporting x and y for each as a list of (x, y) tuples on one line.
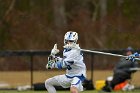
[(54, 51), (132, 57), (51, 62), (50, 65)]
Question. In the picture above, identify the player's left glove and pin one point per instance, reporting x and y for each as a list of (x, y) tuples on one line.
[(132, 57)]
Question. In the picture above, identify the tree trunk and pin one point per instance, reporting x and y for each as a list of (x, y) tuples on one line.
[(103, 13), (119, 3), (59, 13)]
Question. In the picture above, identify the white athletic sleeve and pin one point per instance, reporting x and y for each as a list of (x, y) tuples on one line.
[(67, 60)]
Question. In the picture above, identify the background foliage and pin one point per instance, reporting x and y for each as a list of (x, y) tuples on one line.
[(101, 24)]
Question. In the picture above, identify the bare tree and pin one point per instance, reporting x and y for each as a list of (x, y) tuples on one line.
[(59, 13), (119, 3), (11, 6), (96, 6), (94, 19), (103, 24)]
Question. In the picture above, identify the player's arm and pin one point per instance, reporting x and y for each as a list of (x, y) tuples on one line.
[(54, 62), (52, 59), (57, 62), (133, 56)]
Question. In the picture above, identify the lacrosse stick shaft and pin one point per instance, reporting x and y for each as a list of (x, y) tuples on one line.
[(105, 53), (134, 69)]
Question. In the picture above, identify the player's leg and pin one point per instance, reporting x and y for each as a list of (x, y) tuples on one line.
[(117, 79), (60, 80), (73, 89), (76, 85), (49, 84)]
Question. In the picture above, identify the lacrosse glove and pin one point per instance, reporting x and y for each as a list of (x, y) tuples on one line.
[(51, 62), (132, 57), (54, 51)]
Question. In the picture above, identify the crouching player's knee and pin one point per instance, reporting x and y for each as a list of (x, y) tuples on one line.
[(76, 85), (49, 86), (47, 83)]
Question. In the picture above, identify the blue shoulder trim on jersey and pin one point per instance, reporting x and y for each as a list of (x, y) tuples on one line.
[(66, 49), (77, 82), (59, 65)]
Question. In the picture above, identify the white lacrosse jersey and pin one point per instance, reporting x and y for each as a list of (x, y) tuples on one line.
[(73, 62)]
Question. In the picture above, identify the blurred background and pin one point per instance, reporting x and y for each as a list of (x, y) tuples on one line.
[(33, 25), (38, 24)]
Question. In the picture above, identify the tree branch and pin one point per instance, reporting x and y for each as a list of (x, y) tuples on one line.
[(10, 8)]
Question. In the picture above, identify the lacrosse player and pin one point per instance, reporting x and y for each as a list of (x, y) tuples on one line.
[(122, 71), (72, 61)]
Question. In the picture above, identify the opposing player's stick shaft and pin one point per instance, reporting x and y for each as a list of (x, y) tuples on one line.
[(105, 53), (134, 69)]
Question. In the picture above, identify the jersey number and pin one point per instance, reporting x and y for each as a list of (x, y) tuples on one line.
[(68, 67)]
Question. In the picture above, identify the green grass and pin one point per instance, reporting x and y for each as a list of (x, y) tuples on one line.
[(93, 91)]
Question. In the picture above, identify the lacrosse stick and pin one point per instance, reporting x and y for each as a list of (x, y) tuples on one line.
[(105, 53), (135, 69)]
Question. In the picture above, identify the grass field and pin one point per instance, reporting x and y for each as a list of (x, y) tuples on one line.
[(15, 79), (13, 91)]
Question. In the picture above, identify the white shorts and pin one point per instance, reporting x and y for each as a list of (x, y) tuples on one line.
[(62, 80)]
